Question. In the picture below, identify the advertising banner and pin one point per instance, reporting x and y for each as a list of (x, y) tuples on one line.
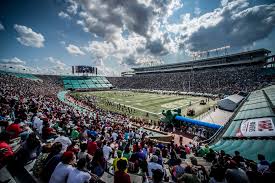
[(256, 128)]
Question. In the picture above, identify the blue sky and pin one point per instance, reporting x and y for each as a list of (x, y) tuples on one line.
[(115, 35)]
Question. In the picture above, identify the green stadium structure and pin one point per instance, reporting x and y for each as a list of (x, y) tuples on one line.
[(251, 131), (86, 82), (22, 75)]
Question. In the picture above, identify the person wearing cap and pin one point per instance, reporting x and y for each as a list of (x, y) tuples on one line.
[(6, 152), (14, 129), (153, 165), (119, 157), (64, 168)]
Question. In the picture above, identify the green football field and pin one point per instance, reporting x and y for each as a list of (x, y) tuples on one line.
[(150, 103)]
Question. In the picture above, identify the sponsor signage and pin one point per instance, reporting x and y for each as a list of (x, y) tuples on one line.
[(256, 128)]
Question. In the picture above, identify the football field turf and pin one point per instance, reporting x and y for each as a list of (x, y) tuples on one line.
[(150, 103)]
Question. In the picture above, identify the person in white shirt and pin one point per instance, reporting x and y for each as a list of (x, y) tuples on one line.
[(79, 175), (37, 124), (114, 136), (65, 141), (63, 169), (107, 150), (153, 165)]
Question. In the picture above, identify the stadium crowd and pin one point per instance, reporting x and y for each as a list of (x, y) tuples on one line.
[(227, 80), (70, 145)]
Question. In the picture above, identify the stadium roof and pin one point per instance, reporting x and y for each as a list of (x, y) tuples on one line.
[(252, 130), (262, 50)]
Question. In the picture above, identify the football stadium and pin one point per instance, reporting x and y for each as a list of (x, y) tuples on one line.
[(206, 117)]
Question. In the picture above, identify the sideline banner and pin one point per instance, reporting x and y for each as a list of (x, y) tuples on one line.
[(256, 128)]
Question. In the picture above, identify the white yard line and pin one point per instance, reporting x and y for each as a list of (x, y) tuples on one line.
[(182, 106), (136, 108)]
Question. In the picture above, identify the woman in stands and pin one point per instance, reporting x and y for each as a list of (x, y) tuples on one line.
[(98, 164)]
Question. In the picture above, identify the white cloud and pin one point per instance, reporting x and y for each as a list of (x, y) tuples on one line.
[(74, 50), (72, 8), (131, 39), (109, 19), (235, 24), (28, 37), (56, 64), (64, 15), (13, 61), (224, 2), (2, 26)]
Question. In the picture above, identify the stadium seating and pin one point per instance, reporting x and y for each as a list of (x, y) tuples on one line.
[(258, 105), (226, 81), (85, 82), (22, 75)]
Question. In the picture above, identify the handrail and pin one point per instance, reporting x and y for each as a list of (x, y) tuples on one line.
[(221, 131)]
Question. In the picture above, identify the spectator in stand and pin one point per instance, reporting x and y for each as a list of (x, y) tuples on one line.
[(38, 123), (52, 161), (127, 152), (234, 174), (14, 129), (189, 176), (64, 168), (92, 146), (121, 175), (119, 154), (79, 174), (28, 151), (173, 159), (6, 152), (98, 164), (47, 131), (83, 152), (65, 141), (238, 158), (157, 176), (177, 170), (263, 165), (107, 150), (153, 165), (269, 176), (39, 163), (187, 149), (211, 156)]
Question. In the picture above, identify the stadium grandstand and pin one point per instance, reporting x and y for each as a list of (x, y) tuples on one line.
[(49, 121), (137, 91), (245, 71)]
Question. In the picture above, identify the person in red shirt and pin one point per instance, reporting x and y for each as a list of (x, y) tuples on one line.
[(14, 129), (47, 131), (135, 147), (92, 146), (120, 175), (6, 151), (187, 149)]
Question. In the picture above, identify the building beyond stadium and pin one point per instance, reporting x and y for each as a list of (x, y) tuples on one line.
[(254, 57)]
